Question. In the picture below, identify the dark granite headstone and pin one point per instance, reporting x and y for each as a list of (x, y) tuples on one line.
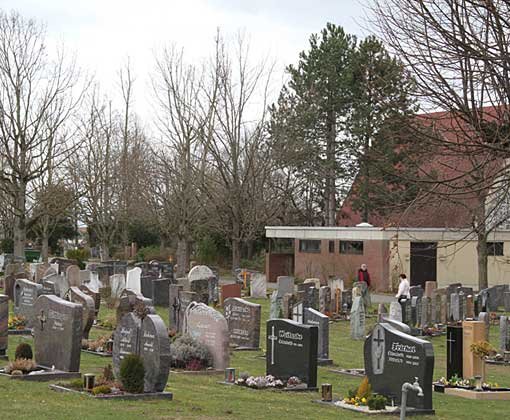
[(392, 358), (406, 311), (89, 309), (243, 319), (4, 323), (325, 299), (146, 285), (129, 299), (126, 340), (160, 290), (346, 300), (311, 297), (25, 295), (58, 333), (321, 321), (504, 333), (416, 291), (454, 354), (155, 351), (96, 296), (291, 350)]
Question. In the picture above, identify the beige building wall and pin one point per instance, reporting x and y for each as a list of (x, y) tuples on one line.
[(456, 262)]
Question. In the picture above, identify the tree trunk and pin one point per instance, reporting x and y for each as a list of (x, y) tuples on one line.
[(481, 248), (20, 233), (44, 246), (182, 257), (104, 252), (236, 253), (331, 172)]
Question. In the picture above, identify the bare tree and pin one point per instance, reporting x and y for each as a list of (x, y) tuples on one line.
[(36, 99), (459, 54)]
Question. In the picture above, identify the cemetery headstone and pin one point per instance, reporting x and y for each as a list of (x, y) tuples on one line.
[(25, 296), (346, 300), (243, 319), (313, 281), (406, 311), (357, 321), (311, 297), (470, 308), (395, 311), (485, 318), (94, 294), (85, 276), (174, 307), (285, 285), (291, 351), (117, 284), (416, 291), (462, 305), (430, 286), (325, 300), (230, 291), (200, 272), (4, 325), (160, 290), (258, 286), (58, 333), (89, 309), (276, 306), (454, 351), (209, 327), (504, 333), (73, 275), (133, 279), (472, 365), (392, 358), (297, 312), (126, 340), (506, 301), (454, 307), (128, 300), (146, 285), (185, 299), (321, 321)]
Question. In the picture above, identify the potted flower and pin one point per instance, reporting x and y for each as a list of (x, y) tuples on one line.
[(482, 350)]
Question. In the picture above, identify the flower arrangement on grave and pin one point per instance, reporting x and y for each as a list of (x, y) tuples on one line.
[(188, 353), (455, 381), (261, 382), (17, 322), (98, 345), (363, 396), (23, 363), (482, 349)]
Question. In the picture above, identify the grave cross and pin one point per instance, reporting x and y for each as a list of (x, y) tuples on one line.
[(273, 338), (450, 344), (42, 319), (379, 349)]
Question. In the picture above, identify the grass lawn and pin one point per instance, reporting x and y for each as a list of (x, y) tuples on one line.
[(201, 397)]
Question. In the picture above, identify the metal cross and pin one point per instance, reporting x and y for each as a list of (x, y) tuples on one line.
[(273, 338)]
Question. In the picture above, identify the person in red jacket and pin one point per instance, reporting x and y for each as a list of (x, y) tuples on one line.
[(363, 275)]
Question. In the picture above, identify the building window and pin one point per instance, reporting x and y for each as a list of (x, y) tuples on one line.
[(309, 245), (495, 248), (331, 247), (351, 247)]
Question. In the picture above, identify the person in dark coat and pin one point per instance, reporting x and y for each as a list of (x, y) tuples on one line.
[(364, 282), (363, 275)]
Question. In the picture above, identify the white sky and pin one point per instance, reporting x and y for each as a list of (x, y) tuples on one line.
[(103, 33)]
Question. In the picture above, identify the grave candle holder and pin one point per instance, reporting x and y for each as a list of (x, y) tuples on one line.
[(89, 381), (506, 356), (327, 392), (230, 375), (478, 383), (109, 346)]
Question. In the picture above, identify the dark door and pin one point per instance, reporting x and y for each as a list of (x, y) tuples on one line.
[(423, 263)]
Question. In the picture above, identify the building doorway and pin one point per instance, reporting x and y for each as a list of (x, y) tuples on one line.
[(423, 263)]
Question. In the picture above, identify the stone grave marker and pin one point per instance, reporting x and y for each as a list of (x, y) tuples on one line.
[(126, 340), (89, 309), (73, 275), (430, 286), (470, 307), (472, 365), (133, 279), (291, 351), (94, 295), (313, 281), (25, 296), (288, 302), (321, 321), (117, 283), (128, 300), (58, 333), (285, 285), (174, 306), (200, 272), (462, 305), (406, 311), (85, 276), (392, 358), (209, 327), (311, 297), (297, 312), (146, 284), (454, 307), (414, 311), (454, 351), (506, 301), (504, 332), (40, 270), (395, 311), (49, 288), (357, 321), (155, 352), (325, 300), (160, 290), (258, 286), (185, 299), (416, 291), (443, 310), (276, 306), (425, 312), (346, 299), (230, 291), (485, 318), (4, 325), (243, 319)]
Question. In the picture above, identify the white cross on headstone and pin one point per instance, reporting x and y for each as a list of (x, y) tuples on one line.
[(273, 338)]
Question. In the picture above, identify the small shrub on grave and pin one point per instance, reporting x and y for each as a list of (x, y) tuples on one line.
[(79, 255), (377, 402), (23, 365), (186, 352), (101, 389), (132, 373), (23, 351)]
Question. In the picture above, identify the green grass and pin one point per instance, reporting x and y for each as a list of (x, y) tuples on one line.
[(202, 398)]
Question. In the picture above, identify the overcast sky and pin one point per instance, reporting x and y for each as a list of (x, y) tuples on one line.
[(104, 32)]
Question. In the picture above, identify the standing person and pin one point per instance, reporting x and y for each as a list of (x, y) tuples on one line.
[(403, 288), (364, 281)]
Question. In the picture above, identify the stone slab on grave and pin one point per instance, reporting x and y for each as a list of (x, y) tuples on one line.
[(285, 284), (230, 291), (454, 352), (25, 296), (258, 286), (75, 295), (321, 321), (473, 331), (243, 319)]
